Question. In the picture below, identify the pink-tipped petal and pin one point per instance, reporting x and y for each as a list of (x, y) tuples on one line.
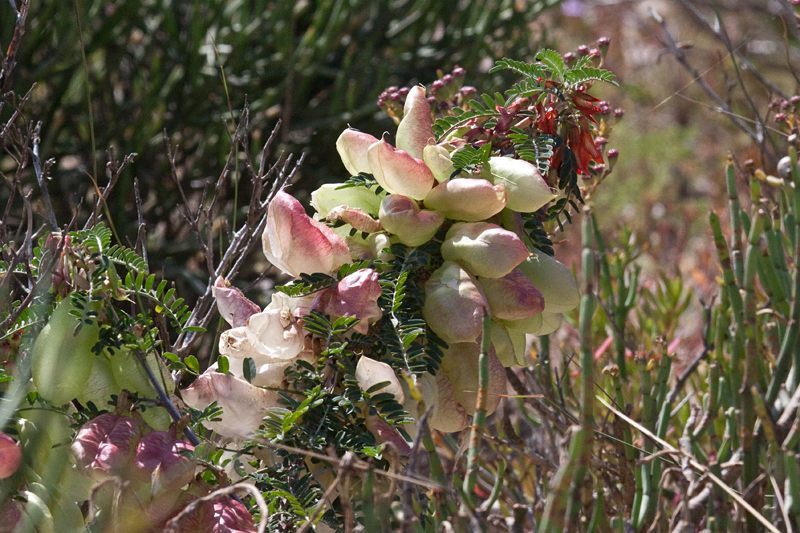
[(233, 305), (385, 433), (454, 304), (414, 131), (512, 297), (467, 199), (402, 217), (352, 146), (398, 172), (484, 249), (297, 244)]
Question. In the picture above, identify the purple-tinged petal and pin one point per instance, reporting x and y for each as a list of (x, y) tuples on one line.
[(454, 304), (104, 446), (527, 190), (484, 249), (352, 146), (158, 459), (414, 130), (233, 305), (467, 199), (243, 405), (10, 456), (385, 433), (297, 244), (402, 217), (512, 297), (355, 295), (398, 172)]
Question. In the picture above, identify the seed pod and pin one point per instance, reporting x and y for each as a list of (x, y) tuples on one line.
[(62, 358)]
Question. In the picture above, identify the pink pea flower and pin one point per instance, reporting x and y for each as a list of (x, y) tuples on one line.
[(243, 405), (158, 459), (399, 172), (10, 456), (467, 199), (414, 131), (355, 295), (484, 249), (454, 304), (297, 244), (513, 296), (233, 305), (402, 217), (104, 446)]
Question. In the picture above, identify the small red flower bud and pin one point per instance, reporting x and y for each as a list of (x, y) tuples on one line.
[(392, 89), (459, 72), (447, 78), (780, 117), (613, 153), (594, 52), (384, 95), (395, 97), (784, 104), (431, 100), (618, 112), (467, 90), (381, 102), (438, 84), (603, 42), (598, 168), (404, 91), (569, 56), (794, 100), (582, 50), (600, 141)]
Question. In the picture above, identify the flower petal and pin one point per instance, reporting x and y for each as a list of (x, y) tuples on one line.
[(448, 415), (414, 130), (509, 345), (454, 304), (356, 217), (160, 450), (243, 405), (352, 146), (275, 335), (105, 445), (402, 217), (324, 199), (484, 249), (527, 190), (554, 281), (398, 172), (467, 199), (355, 295), (370, 372), (460, 365), (233, 305), (512, 297), (297, 244), (10, 456)]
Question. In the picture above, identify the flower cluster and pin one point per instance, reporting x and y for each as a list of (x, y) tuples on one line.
[(410, 194)]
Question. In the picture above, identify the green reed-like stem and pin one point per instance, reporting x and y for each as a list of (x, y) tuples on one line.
[(479, 419)]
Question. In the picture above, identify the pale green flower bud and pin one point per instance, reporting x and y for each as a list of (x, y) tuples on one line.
[(454, 304), (527, 190), (484, 249)]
